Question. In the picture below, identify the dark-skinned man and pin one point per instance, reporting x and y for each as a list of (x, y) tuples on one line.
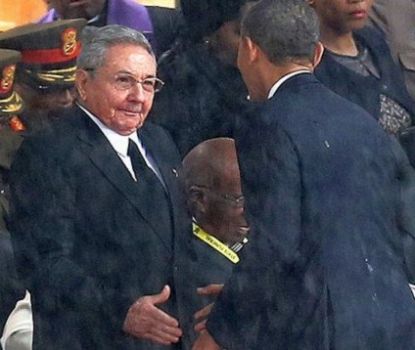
[(11, 104), (321, 179), (46, 75), (212, 183)]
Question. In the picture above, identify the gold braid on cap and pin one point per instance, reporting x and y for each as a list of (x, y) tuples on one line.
[(56, 75), (11, 104)]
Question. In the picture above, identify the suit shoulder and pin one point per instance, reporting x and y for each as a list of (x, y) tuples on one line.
[(157, 130), (162, 137), (58, 132)]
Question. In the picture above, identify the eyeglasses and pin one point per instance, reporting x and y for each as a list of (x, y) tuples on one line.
[(234, 201), (126, 82)]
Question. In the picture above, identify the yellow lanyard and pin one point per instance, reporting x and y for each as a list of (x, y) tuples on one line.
[(215, 243)]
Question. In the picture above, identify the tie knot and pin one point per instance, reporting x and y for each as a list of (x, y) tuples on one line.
[(135, 155), (132, 146)]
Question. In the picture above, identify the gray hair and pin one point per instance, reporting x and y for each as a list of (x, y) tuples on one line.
[(285, 30), (96, 42)]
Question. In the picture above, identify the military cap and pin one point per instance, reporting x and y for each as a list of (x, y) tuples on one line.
[(49, 52), (203, 17), (10, 101)]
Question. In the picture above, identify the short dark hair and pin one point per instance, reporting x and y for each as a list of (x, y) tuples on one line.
[(285, 30)]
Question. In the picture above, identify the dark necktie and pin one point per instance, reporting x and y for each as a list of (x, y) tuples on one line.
[(152, 189), (140, 167)]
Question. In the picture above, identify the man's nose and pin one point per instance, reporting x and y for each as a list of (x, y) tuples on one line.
[(137, 93)]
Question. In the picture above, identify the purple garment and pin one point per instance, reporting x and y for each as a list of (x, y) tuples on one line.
[(125, 12)]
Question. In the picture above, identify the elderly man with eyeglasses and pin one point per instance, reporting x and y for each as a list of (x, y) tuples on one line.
[(98, 220), (212, 184)]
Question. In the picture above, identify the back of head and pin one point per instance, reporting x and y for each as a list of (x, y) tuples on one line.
[(96, 41), (203, 17), (285, 30)]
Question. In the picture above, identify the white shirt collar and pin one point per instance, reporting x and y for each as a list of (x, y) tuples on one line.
[(118, 142), (282, 80)]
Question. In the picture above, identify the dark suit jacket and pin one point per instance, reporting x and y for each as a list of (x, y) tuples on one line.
[(87, 242), (205, 266), (324, 268)]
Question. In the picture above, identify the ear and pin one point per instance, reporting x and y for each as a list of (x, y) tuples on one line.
[(253, 49), (197, 200), (81, 81), (318, 54), (311, 2)]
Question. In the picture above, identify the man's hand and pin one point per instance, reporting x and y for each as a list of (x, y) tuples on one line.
[(201, 315), (205, 342), (145, 320)]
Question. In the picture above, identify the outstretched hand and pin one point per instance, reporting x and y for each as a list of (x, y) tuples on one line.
[(205, 342), (146, 321), (201, 315)]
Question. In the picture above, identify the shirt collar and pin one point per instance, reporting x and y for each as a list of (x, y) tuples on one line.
[(118, 142), (282, 80)]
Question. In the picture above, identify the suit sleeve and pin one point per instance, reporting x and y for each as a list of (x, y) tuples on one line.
[(272, 185), (405, 213), (43, 233)]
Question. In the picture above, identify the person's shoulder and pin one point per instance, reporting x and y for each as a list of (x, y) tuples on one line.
[(160, 136), (158, 132), (371, 37), (60, 130)]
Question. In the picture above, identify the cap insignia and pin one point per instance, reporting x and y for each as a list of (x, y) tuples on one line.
[(6, 82), (69, 41)]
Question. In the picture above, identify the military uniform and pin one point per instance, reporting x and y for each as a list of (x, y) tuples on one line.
[(10, 105), (46, 62)]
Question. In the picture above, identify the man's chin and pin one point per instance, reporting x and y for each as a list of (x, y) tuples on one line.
[(126, 131)]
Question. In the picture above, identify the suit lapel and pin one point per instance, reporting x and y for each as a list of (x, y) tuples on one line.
[(103, 156), (168, 172)]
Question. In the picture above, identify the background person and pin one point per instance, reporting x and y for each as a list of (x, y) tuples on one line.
[(212, 184), (46, 75), (204, 92), (394, 20), (11, 105), (160, 25), (357, 64)]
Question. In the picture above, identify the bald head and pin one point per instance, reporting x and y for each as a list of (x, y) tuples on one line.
[(213, 187), (210, 163)]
